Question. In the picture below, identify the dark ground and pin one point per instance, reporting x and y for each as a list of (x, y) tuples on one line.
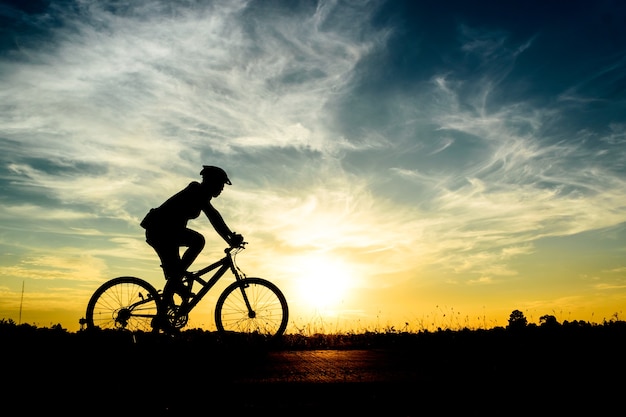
[(502, 373)]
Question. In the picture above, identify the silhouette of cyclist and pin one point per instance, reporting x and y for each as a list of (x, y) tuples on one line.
[(167, 231)]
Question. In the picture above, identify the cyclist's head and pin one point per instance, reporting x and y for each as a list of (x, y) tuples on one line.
[(214, 174)]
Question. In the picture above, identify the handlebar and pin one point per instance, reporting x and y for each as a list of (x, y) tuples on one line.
[(240, 246)]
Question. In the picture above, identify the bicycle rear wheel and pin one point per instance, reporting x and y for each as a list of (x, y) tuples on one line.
[(123, 303), (268, 314)]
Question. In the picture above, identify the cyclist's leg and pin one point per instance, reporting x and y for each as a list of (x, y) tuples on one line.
[(167, 248), (170, 260), (167, 245), (194, 242)]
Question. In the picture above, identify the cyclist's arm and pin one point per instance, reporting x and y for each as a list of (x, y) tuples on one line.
[(218, 222)]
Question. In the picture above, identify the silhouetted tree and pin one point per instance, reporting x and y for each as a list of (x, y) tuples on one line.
[(577, 323), (548, 321), (517, 320)]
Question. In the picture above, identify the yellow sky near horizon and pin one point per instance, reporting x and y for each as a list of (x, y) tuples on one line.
[(330, 292)]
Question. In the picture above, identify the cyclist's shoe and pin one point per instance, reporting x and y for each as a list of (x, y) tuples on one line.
[(181, 287), (184, 291), (185, 286)]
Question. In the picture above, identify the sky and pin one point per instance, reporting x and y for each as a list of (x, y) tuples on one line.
[(395, 165)]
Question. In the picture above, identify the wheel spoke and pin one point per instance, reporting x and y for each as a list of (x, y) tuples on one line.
[(269, 309), (123, 303)]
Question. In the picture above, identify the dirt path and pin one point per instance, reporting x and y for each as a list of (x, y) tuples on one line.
[(329, 366), (392, 382)]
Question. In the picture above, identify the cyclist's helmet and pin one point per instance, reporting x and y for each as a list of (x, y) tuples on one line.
[(214, 173)]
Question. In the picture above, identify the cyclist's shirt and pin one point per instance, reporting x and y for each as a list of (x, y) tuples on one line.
[(176, 211)]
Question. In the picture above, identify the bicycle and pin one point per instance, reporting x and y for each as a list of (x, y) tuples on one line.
[(247, 305)]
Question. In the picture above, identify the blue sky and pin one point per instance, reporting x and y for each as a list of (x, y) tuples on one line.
[(402, 161)]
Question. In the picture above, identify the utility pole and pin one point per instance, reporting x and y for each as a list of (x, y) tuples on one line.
[(21, 301)]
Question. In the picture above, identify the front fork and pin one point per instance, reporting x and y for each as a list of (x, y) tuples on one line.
[(240, 276)]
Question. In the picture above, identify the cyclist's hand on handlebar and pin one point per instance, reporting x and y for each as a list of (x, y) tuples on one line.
[(236, 240)]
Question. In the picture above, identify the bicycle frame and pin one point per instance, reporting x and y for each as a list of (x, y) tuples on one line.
[(222, 266)]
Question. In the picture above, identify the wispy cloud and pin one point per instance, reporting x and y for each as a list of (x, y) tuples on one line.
[(149, 93)]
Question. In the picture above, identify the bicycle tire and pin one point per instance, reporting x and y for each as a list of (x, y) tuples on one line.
[(271, 313), (127, 303)]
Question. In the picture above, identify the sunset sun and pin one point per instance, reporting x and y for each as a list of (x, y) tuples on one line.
[(323, 282)]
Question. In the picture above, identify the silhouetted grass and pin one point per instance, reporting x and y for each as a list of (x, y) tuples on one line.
[(22, 335), (501, 370)]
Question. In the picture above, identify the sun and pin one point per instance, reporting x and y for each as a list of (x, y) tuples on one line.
[(323, 282)]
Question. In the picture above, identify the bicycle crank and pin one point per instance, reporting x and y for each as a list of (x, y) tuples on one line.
[(177, 321)]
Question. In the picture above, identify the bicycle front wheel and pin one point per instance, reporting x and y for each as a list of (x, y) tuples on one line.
[(123, 303), (252, 306)]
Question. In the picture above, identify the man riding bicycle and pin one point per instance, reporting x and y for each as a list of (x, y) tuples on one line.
[(166, 226)]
